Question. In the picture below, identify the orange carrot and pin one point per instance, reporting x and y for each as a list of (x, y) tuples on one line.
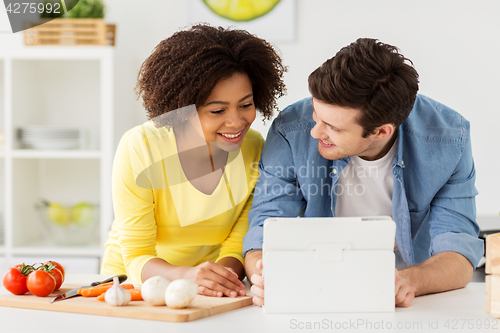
[(97, 290), (135, 293)]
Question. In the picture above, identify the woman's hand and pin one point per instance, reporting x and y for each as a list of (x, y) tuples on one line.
[(215, 280)]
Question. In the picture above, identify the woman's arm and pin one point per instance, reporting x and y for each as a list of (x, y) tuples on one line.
[(213, 279), (234, 265)]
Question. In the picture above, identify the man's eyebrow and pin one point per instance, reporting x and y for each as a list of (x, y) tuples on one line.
[(335, 128), (226, 103)]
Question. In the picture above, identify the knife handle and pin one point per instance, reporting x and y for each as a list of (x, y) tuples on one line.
[(121, 277)]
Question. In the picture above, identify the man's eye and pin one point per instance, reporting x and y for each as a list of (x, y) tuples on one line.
[(333, 129), (217, 112)]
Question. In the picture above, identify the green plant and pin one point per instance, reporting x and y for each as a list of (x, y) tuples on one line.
[(85, 9), (74, 9), (51, 11)]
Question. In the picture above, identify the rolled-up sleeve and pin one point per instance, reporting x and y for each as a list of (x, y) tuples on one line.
[(277, 193), (452, 217)]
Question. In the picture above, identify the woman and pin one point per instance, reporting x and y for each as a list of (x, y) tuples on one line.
[(182, 182)]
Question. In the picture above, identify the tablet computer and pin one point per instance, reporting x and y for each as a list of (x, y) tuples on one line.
[(336, 264)]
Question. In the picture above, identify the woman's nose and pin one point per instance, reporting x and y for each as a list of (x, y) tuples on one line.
[(234, 119)]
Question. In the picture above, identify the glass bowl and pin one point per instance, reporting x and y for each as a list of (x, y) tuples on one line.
[(70, 225)]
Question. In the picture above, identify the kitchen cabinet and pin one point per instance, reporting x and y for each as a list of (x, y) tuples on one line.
[(61, 87)]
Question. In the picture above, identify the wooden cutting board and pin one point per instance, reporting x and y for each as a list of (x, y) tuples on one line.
[(201, 307)]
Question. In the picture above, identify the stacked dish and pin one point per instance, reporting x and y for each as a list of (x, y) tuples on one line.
[(1, 231), (49, 137)]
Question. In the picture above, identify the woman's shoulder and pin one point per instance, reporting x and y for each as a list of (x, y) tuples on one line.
[(252, 144), (141, 134), (254, 135)]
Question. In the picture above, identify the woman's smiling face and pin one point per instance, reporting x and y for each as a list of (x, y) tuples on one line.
[(229, 111)]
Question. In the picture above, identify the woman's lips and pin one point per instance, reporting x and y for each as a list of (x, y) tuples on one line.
[(231, 137)]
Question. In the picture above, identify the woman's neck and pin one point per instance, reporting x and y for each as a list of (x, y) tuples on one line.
[(198, 158)]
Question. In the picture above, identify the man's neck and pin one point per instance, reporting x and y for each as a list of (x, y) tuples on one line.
[(384, 148)]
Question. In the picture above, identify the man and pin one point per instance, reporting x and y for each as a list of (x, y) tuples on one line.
[(366, 144)]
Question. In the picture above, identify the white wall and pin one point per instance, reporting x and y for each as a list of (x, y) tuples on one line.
[(454, 44)]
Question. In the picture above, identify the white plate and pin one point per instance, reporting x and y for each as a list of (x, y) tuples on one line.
[(52, 145)]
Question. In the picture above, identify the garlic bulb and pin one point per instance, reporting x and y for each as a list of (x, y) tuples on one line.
[(153, 290), (180, 293), (117, 295)]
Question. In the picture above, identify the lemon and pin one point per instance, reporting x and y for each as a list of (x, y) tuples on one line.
[(82, 213), (58, 213), (241, 10)]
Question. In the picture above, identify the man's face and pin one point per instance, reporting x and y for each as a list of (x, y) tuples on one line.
[(338, 133)]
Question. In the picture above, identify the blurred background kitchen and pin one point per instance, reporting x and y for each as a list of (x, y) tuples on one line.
[(63, 109)]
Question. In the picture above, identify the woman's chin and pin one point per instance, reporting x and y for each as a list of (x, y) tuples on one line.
[(226, 146)]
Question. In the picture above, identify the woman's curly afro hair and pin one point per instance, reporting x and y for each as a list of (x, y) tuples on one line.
[(184, 68)]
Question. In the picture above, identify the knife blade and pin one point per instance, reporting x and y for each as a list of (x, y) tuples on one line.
[(74, 292)]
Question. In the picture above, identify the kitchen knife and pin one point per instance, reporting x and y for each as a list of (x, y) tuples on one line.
[(74, 292)]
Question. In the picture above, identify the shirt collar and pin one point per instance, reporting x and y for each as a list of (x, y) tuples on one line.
[(398, 159)]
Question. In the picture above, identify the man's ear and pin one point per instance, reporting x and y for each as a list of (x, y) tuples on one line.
[(384, 131)]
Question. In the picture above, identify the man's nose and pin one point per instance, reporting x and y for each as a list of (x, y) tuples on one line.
[(315, 131)]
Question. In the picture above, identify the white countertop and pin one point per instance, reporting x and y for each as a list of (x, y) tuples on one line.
[(455, 311)]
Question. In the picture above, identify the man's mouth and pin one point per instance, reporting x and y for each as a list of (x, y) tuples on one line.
[(326, 144)]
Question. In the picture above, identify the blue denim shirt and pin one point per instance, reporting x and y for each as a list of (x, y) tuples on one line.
[(433, 202)]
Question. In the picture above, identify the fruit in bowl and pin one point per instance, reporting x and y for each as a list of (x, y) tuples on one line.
[(69, 224)]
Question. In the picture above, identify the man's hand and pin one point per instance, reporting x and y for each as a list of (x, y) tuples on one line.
[(258, 285), (441, 272), (253, 268), (404, 293)]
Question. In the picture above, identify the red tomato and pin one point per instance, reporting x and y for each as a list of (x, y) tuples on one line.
[(41, 283), (14, 280), (58, 277), (58, 266)]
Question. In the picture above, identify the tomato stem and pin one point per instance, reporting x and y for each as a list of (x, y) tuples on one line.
[(26, 269)]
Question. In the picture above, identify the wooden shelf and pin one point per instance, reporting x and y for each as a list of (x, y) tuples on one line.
[(76, 251), (62, 154), (57, 52)]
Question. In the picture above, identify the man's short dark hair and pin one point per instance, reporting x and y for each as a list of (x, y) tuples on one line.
[(371, 76)]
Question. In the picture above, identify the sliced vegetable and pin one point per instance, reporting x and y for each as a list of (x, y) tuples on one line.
[(134, 293), (101, 289)]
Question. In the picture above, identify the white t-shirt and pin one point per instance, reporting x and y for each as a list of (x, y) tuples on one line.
[(365, 188)]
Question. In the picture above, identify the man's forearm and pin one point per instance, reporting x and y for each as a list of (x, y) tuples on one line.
[(251, 259), (442, 272)]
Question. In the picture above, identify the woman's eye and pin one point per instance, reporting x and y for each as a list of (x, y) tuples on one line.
[(217, 111), (247, 105)]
